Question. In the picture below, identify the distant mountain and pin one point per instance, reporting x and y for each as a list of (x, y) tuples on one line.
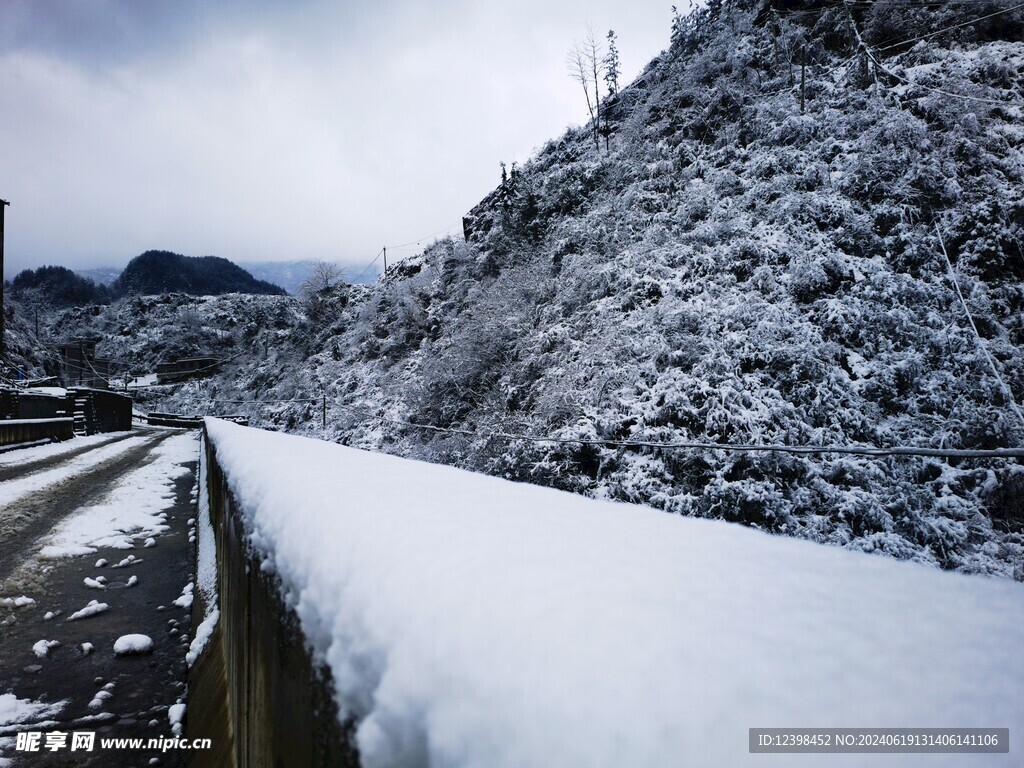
[(100, 275), (165, 272), (292, 274), (57, 287), (287, 274)]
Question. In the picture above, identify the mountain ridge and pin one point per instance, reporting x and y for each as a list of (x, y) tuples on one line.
[(167, 272), (151, 272)]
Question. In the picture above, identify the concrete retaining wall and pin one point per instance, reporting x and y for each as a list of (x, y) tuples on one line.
[(256, 691), (14, 431)]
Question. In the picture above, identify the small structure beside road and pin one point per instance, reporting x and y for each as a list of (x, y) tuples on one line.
[(89, 410)]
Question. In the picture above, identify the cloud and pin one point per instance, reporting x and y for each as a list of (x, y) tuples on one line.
[(300, 131)]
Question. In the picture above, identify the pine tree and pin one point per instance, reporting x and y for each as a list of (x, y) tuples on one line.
[(611, 65)]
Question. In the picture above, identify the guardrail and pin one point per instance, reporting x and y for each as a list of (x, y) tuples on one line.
[(159, 419), (255, 691), (16, 431)]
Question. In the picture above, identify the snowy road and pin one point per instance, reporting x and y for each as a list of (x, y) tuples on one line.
[(22, 462), (95, 544), (47, 490)]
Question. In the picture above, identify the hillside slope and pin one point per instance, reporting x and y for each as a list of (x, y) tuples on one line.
[(165, 272), (731, 268)]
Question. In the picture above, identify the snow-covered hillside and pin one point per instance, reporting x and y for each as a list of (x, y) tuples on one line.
[(732, 268), (469, 621), (25, 351)]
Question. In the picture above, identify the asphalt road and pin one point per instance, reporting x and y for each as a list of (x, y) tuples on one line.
[(141, 688)]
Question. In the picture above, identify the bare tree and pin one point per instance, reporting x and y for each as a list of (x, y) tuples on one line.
[(322, 277), (586, 64), (595, 57), (318, 290)]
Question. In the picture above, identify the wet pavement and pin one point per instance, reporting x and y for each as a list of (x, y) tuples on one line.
[(115, 696)]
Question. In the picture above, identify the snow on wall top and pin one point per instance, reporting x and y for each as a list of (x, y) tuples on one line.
[(470, 621)]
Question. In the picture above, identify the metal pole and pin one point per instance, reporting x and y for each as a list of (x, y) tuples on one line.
[(803, 77), (3, 205), (325, 409), (385, 258)]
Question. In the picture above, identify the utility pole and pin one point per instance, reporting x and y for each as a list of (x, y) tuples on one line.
[(803, 76), (3, 205), (385, 258)]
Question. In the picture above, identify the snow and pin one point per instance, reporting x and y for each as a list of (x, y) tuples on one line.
[(132, 581), (37, 421), (43, 647), (13, 490), (19, 602), (142, 381), (15, 711), (24, 455), (135, 508), (470, 621), (93, 608), (202, 637), (94, 583), (150, 542), (185, 599), (50, 391), (87, 648), (206, 569), (176, 715), (127, 645), (101, 562), (100, 699)]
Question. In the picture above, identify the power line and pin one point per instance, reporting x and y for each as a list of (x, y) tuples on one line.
[(940, 91), (948, 29), (870, 53), (859, 450), (364, 270), (977, 336), (270, 402), (800, 450), (871, 5), (427, 237)]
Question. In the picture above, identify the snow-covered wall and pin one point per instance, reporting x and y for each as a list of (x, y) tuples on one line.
[(470, 621), (254, 689)]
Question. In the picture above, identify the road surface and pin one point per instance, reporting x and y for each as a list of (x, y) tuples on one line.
[(127, 499)]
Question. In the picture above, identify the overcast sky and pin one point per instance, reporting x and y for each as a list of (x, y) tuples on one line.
[(269, 130)]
